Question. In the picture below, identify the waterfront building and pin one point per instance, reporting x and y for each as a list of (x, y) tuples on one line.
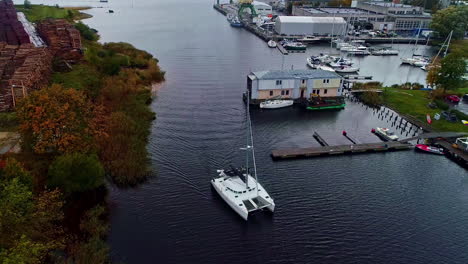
[(310, 26), (403, 17), (382, 15), (350, 15), (262, 8), (293, 84)]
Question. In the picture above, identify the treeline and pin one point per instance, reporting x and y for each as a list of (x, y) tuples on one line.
[(91, 124)]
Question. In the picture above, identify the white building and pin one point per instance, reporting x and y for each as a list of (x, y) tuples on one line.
[(294, 84), (310, 26), (262, 8)]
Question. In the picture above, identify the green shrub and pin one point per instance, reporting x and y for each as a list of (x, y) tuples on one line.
[(441, 104), (8, 120), (87, 32), (76, 173), (460, 115)]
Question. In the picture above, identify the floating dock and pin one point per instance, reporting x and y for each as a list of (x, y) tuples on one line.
[(296, 153)]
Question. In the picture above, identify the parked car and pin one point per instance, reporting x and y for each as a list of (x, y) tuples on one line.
[(452, 98), (451, 117)]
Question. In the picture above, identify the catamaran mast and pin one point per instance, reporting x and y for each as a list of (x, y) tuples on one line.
[(247, 148), (253, 150)]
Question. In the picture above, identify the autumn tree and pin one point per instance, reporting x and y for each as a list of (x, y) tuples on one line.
[(451, 18), (433, 73), (452, 69), (56, 120)]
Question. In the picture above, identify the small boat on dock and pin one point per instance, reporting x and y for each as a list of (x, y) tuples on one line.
[(346, 69), (272, 44), (292, 45), (385, 133), (429, 149), (309, 40), (275, 104), (234, 21)]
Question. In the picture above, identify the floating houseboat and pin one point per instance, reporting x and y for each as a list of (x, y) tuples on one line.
[(313, 89)]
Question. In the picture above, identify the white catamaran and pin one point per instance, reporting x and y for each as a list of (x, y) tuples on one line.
[(239, 187)]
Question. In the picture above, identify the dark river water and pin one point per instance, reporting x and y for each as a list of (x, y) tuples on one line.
[(398, 207)]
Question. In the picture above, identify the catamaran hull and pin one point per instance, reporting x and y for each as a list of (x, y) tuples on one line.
[(242, 212)]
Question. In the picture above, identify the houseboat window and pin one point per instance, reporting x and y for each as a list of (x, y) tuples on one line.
[(325, 91), (279, 82), (318, 91), (287, 92), (303, 81), (324, 81), (282, 92), (328, 81), (271, 93)]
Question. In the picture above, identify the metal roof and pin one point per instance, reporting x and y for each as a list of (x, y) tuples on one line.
[(295, 74), (309, 19)]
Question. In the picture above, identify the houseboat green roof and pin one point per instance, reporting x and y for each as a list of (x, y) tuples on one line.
[(295, 74)]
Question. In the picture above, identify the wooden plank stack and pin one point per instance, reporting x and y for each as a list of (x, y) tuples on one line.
[(23, 67), (63, 39)]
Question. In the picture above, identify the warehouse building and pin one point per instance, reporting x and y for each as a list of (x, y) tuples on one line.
[(382, 15), (403, 17), (310, 26)]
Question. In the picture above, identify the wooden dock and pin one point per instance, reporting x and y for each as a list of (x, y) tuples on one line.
[(295, 153), (458, 155)]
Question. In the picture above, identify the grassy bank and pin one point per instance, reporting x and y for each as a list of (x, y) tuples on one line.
[(35, 13), (414, 103)]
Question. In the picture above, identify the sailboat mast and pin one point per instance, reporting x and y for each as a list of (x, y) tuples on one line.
[(333, 31), (253, 152), (448, 43), (247, 148)]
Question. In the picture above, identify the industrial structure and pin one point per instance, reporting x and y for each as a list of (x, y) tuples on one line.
[(310, 26), (381, 15)]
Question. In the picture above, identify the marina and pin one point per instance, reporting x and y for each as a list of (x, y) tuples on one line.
[(331, 196)]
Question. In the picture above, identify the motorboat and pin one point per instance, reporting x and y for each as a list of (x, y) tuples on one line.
[(318, 66), (239, 187), (340, 62), (346, 69), (385, 52), (272, 44), (359, 51), (429, 149), (385, 133), (308, 39), (274, 104), (234, 21), (291, 45), (415, 61), (465, 97)]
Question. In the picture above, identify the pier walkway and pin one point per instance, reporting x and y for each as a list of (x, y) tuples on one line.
[(295, 153)]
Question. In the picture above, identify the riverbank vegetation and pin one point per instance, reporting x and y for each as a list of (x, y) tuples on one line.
[(35, 13), (90, 124), (416, 104)]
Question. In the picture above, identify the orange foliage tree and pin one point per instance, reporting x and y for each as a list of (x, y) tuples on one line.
[(56, 120)]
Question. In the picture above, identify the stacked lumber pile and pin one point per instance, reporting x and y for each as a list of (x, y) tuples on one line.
[(11, 30), (22, 69), (63, 39)]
